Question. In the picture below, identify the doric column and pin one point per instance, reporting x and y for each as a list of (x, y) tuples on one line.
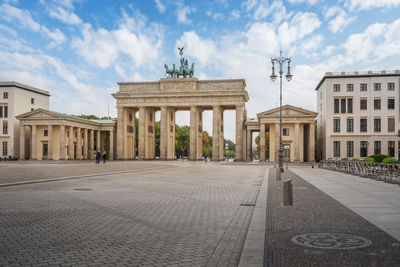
[(85, 143), (91, 144), (171, 134), (71, 146), (311, 153), (142, 132), (120, 133), (193, 133), (111, 145), (297, 142), (34, 143), (262, 142), (216, 132), (78, 143), (62, 142), (276, 142), (249, 140), (98, 137), (125, 133), (163, 132), (239, 132), (199, 131), (150, 134), (50, 142), (22, 142), (221, 135)]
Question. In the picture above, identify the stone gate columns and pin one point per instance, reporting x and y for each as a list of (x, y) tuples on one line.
[(22, 142), (216, 132), (142, 133), (249, 156), (130, 133), (111, 140), (221, 135), (239, 132), (170, 133), (146, 133), (120, 133), (34, 143), (311, 153), (50, 141), (91, 144), (71, 143), (62, 142), (193, 133), (163, 132), (98, 137), (78, 143), (297, 142), (85, 143), (262, 142), (199, 133)]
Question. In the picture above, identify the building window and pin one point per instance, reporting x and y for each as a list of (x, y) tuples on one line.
[(336, 125), (336, 149), (45, 150), (5, 148), (5, 111), (350, 105), (285, 131), (336, 87), (45, 133), (336, 105), (390, 103), (364, 149), (5, 127), (363, 125), (363, 87), (5, 95), (390, 86), (377, 147), (350, 87), (343, 105), (32, 101), (350, 149), (350, 125), (391, 145), (32, 109), (377, 125), (363, 104), (1, 112), (377, 86), (390, 124), (377, 103)]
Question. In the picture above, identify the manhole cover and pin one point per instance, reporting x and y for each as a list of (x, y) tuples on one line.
[(331, 241), (82, 189)]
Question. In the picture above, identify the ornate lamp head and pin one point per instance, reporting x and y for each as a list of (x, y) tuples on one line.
[(288, 75), (273, 75)]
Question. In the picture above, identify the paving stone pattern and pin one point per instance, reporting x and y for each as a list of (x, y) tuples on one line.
[(178, 216), (319, 231)]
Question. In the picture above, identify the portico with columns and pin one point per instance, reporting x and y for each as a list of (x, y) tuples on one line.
[(298, 134), (51, 135), (168, 96)]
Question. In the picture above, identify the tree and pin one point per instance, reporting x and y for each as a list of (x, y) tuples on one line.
[(257, 141), (182, 141)]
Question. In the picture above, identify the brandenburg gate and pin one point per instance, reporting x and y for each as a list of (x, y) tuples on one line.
[(170, 95)]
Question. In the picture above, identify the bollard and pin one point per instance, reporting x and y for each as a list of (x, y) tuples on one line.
[(287, 193), (278, 174)]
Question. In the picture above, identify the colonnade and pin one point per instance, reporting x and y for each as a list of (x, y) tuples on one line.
[(126, 146), (65, 142)]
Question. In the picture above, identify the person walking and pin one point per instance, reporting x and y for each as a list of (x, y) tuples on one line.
[(98, 157), (104, 157)]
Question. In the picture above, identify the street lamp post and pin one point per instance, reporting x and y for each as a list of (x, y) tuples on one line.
[(226, 149), (281, 61)]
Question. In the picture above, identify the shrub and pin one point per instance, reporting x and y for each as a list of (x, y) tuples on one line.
[(355, 159), (379, 157), (369, 159), (344, 159), (389, 160)]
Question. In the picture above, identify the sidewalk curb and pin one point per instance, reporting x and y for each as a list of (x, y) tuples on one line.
[(79, 176), (253, 249)]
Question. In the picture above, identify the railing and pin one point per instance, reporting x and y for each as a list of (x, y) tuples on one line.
[(389, 173)]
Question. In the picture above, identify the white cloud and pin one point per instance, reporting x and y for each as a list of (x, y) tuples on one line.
[(369, 4), (310, 2), (133, 38), (25, 20), (160, 6), (67, 17), (182, 13), (262, 9), (235, 14), (340, 21)]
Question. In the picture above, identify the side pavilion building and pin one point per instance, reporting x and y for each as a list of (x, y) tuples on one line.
[(298, 134)]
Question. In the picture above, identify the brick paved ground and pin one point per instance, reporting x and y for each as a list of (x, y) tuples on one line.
[(321, 218), (189, 215)]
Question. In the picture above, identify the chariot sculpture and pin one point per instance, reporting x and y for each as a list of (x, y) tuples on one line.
[(183, 71)]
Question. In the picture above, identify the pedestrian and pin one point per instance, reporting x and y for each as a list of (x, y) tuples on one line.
[(98, 157), (104, 157)]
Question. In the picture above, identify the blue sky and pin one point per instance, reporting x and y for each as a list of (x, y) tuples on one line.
[(80, 49)]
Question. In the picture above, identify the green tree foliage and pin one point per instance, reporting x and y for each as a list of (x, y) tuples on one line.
[(257, 141), (389, 160), (379, 157), (94, 117), (369, 159), (182, 141)]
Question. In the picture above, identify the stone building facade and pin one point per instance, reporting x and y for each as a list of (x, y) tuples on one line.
[(358, 114)]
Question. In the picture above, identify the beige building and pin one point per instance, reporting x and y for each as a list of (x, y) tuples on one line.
[(298, 134), (51, 135), (358, 114), (15, 99), (168, 96)]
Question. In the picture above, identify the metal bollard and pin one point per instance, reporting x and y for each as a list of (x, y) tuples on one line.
[(287, 193), (278, 174)]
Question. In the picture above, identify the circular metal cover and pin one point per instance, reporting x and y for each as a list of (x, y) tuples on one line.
[(331, 241)]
